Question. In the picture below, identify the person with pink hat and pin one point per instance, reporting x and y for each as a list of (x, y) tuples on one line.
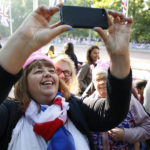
[(44, 116), (131, 131)]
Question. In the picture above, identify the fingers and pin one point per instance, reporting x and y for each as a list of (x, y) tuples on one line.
[(55, 25), (117, 20), (129, 20), (47, 12), (58, 30), (110, 132), (115, 14), (108, 18), (53, 10), (101, 33), (123, 20), (120, 18)]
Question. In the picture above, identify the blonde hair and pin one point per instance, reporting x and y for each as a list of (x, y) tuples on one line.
[(73, 83), (21, 91)]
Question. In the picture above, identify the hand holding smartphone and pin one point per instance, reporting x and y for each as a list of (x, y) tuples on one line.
[(83, 17)]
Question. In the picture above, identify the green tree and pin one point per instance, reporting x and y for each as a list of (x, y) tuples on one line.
[(141, 30), (20, 10)]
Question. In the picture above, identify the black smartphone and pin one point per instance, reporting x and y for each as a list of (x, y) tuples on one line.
[(83, 17)]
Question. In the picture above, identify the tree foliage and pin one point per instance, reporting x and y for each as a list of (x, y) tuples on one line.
[(140, 13), (140, 32)]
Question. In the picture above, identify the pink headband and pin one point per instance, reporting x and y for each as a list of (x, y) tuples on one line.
[(101, 67), (37, 56)]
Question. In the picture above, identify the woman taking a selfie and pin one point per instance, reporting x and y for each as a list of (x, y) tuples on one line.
[(44, 116), (42, 97)]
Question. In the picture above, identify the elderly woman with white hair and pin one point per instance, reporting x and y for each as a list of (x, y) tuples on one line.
[(132, 130)]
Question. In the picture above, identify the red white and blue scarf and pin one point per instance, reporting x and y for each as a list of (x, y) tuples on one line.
[(43, 130)]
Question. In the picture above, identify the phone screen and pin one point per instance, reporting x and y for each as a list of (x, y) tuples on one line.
[(83, 17)]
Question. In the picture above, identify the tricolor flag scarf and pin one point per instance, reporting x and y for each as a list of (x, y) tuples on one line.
[(43, 130)]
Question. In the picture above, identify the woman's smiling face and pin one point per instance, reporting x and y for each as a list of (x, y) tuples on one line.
[(43, 84), (95, 54)]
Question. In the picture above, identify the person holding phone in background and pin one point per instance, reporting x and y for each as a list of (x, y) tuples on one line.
[(32, 35)]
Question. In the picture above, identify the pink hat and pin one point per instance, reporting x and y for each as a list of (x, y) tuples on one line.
[(37, 56), (101, 67)]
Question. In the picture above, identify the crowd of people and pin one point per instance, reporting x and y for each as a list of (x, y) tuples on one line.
[(62, 104), (99, 42)]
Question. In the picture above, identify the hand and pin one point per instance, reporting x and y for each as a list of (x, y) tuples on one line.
[(117, 40), (36, 30), (116, 134), (34, 33), (117, 43)]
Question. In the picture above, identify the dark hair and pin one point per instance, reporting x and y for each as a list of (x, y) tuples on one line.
[(69, 48), (52, 48), (88, 54), (21, 91), (140, 83)]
